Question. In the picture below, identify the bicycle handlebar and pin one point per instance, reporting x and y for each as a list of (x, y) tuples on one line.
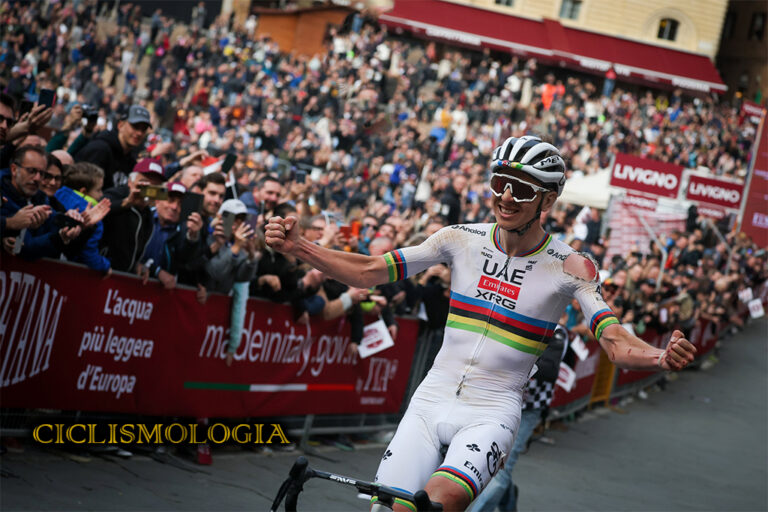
[(301, 472)]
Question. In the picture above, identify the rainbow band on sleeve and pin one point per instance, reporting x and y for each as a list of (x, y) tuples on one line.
[(396, 265), (601, 320), (461, 478)]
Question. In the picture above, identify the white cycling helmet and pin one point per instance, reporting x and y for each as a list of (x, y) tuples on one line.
[(532, 156)]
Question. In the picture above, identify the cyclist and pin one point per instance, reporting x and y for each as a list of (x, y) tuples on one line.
[(510, 283)]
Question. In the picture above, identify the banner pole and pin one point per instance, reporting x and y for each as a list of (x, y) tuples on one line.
[(750, 173)]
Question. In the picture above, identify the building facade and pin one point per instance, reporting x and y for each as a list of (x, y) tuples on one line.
[(688, 25)]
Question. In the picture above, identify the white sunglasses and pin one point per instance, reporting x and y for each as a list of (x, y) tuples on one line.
[(521, 191)]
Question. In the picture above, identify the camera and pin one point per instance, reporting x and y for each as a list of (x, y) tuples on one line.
[(90, 113)]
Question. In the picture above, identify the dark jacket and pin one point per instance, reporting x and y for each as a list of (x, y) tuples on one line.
[(126, 231), (451, 205), (38, 243), (178, 251), (104, 150)]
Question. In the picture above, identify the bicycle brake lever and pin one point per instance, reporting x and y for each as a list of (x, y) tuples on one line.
[(423, 503)]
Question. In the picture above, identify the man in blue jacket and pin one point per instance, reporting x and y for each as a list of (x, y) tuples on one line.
[(20, 187)]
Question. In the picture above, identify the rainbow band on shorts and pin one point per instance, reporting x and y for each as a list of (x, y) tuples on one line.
[(407, 504), (396, 265), (600, 321), (461, 478)]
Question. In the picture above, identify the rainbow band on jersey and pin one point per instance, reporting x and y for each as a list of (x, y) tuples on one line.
[(500, 324), (601, 320), (406, 504), (460, 478), (543, 243), (396, 265)]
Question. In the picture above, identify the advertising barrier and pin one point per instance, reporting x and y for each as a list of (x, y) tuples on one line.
[(646, 176), (72, 340), (714, 191), (754, 221)]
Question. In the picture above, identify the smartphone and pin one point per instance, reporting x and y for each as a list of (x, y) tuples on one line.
[(346, 231), (155, 192), (356, 225), (65, 221), (229, 162), (191, 203), (227, 219), (47, 97), (26, 106), (253, 221), (301, 176)]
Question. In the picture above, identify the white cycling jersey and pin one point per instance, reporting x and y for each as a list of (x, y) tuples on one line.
[(503, 312)]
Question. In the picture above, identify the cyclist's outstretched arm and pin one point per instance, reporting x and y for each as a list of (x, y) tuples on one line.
[(354, 269), (623, 348), (630, 352)]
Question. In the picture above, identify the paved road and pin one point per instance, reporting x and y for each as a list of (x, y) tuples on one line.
[(700, 445)]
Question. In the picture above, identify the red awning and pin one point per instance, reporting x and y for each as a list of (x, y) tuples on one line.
[(469, 26), (552, 42)]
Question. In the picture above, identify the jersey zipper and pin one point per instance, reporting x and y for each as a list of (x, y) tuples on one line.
[(482, 339)]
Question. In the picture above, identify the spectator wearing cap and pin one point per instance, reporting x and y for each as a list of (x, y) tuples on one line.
[(129, 224), (234, 256), (81, 190), (114, 150), (170, 246)]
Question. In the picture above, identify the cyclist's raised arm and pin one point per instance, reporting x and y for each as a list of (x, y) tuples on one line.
[(353, 269), (356, 269)]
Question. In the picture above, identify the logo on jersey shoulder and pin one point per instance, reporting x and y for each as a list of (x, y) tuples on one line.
[(555, 254), (387, 454), (473, 447), (469, 230), (493, 458)]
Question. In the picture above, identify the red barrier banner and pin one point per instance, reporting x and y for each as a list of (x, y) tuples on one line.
[(585, 378), (641, 201), (754, 221), (716, 191), (750, 110), (646, 176), (703, 336), (71, 340), (710, 212)]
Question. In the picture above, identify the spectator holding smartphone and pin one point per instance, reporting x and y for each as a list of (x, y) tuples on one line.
[(34, 231), (129, 224), (169, 247), (234, 255)]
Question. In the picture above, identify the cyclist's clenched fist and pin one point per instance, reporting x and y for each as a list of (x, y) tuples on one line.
[(282, 234)]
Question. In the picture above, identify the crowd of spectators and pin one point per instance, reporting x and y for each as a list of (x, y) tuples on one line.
[(374, 144)]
